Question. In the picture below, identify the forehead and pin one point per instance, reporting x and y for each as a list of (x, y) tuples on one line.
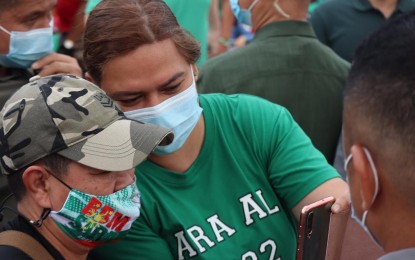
[(20, 8), (148, 65)]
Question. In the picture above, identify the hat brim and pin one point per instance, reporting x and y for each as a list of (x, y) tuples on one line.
[(121, 146)]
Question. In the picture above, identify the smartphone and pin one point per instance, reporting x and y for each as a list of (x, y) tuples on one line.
[(313, 230)]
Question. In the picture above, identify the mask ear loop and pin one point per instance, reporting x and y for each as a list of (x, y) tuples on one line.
[(252, 5), (279, 10), (375, 173), (4, 30), (375, 176), (43, 216)]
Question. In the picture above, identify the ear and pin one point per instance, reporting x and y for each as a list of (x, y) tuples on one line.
[(89, 78), (364, 174), (195, 71), (37, 183)]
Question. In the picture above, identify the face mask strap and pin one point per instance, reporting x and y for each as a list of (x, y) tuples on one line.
[(43, 216), (252, 5), (375, 173), (347, 161), (279, 10), (4, 30), (61, 181)]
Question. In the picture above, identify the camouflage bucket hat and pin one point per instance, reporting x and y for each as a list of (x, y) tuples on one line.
[(70, 116)]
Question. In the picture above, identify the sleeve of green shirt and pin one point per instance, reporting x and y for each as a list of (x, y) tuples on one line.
[(295, 166)]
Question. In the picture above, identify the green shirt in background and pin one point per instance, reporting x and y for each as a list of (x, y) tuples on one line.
[(193, 15), (286, 64), (235, 201), (343, 24), (314, 5)]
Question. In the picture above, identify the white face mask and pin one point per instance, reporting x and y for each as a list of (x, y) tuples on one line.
[(179, 113), (362, 222)]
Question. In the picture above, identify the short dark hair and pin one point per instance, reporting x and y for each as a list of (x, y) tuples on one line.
[(379, 99), (57, 164), (117, 27)]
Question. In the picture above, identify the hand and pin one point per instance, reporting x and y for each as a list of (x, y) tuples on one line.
[(56, 63), (342, 203)]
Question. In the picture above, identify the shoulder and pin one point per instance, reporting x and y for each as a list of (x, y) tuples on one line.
[(334, 5), (241, 105), (330, 10)]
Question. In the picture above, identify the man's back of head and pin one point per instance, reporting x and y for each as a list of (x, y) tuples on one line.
[(379, 136)]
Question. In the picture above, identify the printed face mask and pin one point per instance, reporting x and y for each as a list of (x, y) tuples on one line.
[(362, 222), (27, 47), (242, 15), (179, 113), (93, 220)]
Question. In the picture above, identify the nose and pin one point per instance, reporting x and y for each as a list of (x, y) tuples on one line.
[(154, 99), (124, 179)]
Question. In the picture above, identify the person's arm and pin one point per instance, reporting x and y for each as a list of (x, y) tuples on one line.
[(214, 27), (334, 187), (299, 173), (226, 26)]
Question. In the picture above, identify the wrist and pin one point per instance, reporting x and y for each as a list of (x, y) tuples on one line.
[(224, 42)]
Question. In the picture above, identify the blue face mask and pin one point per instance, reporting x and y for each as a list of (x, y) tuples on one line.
[(242, 15), (179, 113), (362, 222), (27, 47)]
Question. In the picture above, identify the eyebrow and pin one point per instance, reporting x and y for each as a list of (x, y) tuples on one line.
[(119, 94), (38, 12)]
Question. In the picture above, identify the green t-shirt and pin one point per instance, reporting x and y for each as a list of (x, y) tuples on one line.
[(235, 201)]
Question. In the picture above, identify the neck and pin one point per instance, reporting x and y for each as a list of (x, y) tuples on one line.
[(391, 220), (267, 12), (386, 7), (68, 247), (181, 160)]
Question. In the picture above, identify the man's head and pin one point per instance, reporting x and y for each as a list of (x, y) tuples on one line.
[(22, 16), (118, 27), (67, 149), (379, 123), (73, 118)]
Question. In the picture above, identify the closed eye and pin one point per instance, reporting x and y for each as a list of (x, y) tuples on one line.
[(171, 89)]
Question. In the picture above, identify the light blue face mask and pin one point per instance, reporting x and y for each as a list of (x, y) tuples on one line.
[(179, 113), (242, 15), (27, 47), (362, 222)]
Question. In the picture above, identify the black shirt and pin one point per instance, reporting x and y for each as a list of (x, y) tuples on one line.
[(22, 225)]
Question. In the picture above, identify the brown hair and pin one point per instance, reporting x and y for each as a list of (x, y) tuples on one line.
[(117, 27)]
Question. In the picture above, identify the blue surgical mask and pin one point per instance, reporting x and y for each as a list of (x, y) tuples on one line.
[(362, 222), (179, 113), (242, 15), (27, 47)]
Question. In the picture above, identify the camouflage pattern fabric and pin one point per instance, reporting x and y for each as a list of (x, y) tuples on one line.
[(72, 117)]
